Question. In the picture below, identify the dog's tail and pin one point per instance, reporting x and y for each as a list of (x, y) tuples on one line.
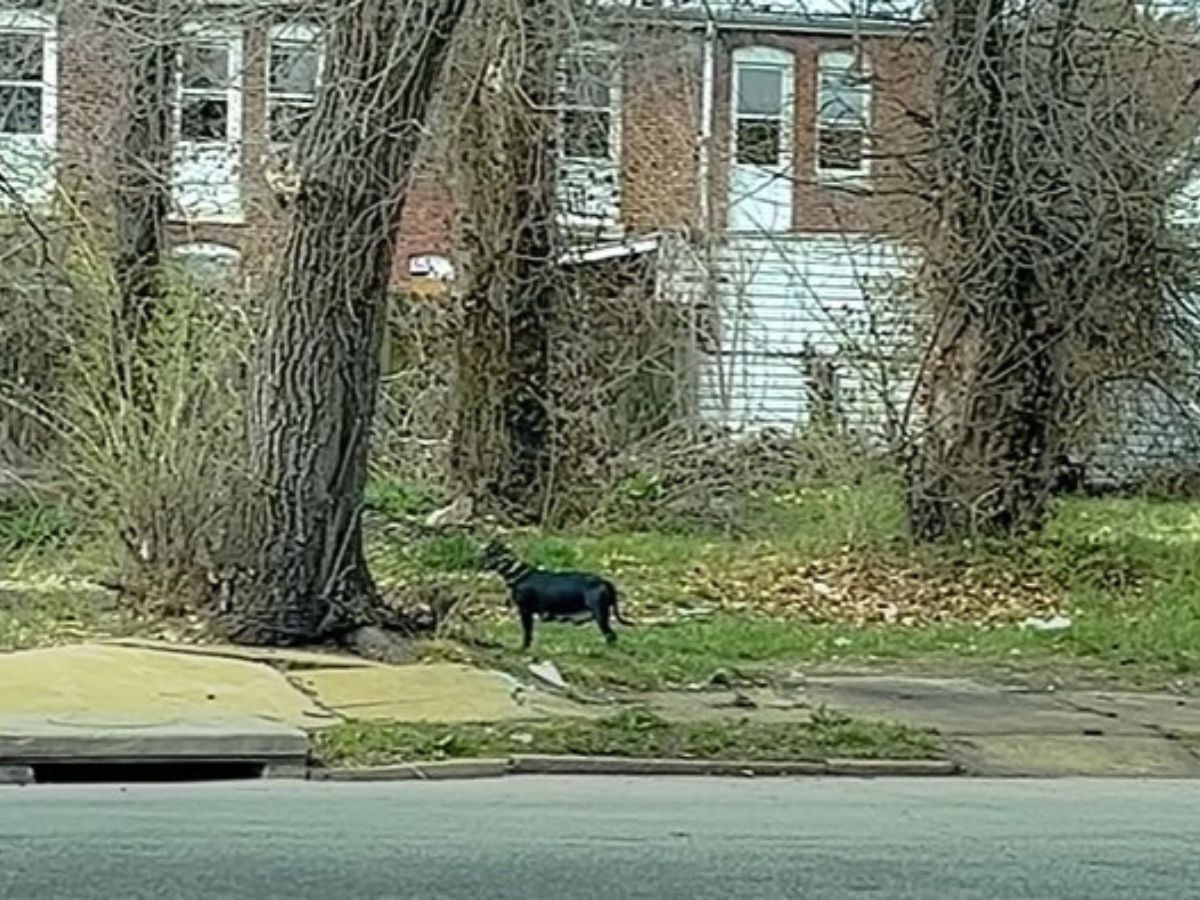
[(616, 609)]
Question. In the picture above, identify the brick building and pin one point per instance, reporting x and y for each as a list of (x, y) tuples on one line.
[(755, 149)]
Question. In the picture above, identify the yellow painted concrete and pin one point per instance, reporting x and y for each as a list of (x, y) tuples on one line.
[(111, 680), (283, 657), (437, 692)]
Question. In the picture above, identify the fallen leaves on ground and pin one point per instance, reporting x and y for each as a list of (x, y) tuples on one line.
[(852, 590)]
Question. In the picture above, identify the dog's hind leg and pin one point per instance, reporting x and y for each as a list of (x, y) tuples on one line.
[(598, 602)]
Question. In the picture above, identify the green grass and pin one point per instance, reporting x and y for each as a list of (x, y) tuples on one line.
[(28, 526), (632, 732), (751, 648), (1128, 571), (48, 611)]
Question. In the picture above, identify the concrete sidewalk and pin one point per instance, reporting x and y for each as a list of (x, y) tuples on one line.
[(997, 728), (991, 727), (303, 689)]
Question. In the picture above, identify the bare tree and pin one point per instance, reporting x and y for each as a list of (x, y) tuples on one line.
[(302, 573), (1050, 263), (511, 246), (142, 191)]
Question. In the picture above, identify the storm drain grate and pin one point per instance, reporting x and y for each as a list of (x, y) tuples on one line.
[(142, 772)]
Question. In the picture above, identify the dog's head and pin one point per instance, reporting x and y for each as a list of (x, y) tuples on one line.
[(494, 556)]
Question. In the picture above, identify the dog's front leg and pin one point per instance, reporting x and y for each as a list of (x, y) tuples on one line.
[(526, 626)]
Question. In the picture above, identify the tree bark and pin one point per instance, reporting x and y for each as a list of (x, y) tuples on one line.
[(994, 392), (511, 246), (303, 574), (142, 192)]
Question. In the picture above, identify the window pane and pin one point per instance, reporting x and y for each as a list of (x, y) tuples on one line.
[(844, 89), (589, 81), (204, 119), (21, 57), (841, 149), (288, 120), (21, 110), (294, 68), (760, 91), (206, 67), (841, 101), (587, 134), (759, 142)]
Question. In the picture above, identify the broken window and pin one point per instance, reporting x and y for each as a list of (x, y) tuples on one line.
[(22, 82), (206, 77), (293, 76), (589, 89), (843, 110)]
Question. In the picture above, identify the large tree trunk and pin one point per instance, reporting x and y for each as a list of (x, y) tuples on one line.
[(510, 249), (316, 370), (142, 191), (994, 391)]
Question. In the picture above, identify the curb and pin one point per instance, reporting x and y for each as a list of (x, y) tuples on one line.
[(533, 764), (443, 770), (868, 768), (20, 775)]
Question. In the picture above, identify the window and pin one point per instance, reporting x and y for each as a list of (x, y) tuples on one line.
[(843, 112), (206, 169), (293, 76), (590, 84), (761, 98), (206, 77), (22, 82)]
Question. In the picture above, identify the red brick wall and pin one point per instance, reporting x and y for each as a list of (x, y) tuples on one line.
[(93, 79), (820, 206), (660, 130), (427, 223)]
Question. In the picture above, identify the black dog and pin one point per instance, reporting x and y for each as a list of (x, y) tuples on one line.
[(554, 596)]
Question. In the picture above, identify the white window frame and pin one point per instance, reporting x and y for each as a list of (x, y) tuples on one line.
[(849, 59), (611, 53), (28, 159), (774, 60), (43, 25), (294, 33), (231, 38)]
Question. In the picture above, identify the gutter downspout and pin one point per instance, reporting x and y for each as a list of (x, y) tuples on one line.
[(707, 104)]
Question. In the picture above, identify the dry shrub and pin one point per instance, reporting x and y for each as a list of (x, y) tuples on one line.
[(618, 381), (412, 421), (35, 304), (710, 477), (159, 473)]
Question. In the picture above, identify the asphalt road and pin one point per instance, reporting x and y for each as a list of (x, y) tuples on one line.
[(587, 838)]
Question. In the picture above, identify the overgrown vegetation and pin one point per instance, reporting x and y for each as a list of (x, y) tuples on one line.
[(633, 733), (813, 574), (1052, 267), (568, 398)]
